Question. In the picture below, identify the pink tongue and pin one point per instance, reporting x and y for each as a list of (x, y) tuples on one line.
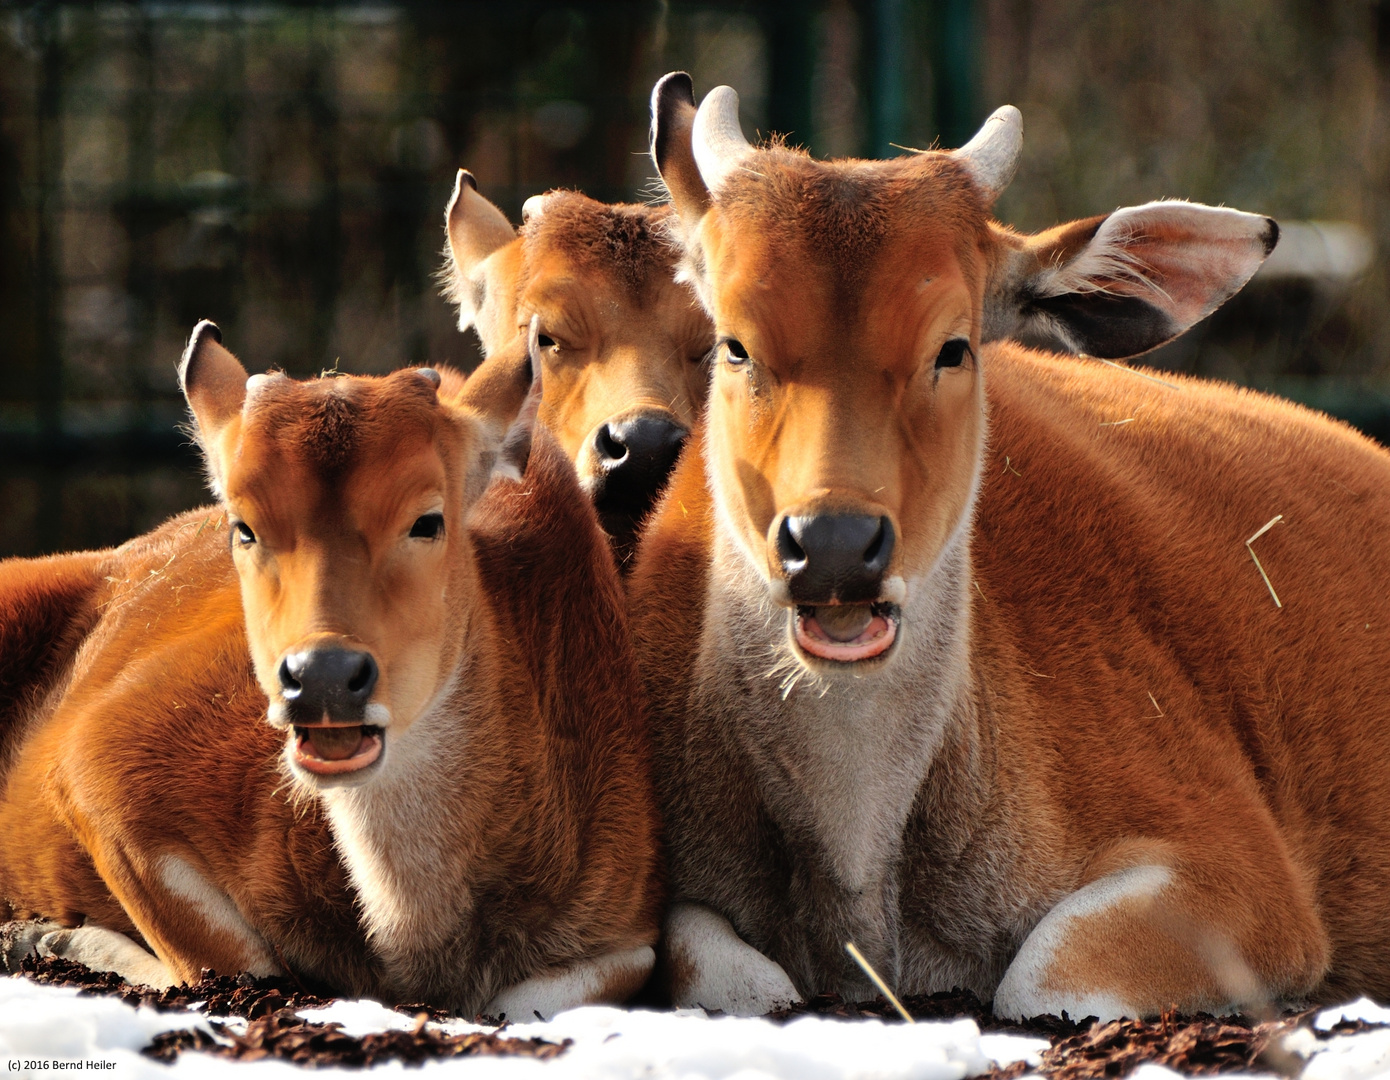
[(872, 634), (843, 622), (334, 743)]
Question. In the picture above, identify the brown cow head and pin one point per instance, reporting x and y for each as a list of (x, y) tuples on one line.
[(850, 301), (347, 499), (622, 344)]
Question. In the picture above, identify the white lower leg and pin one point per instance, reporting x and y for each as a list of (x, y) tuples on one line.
[(106, 950), (715, 969)]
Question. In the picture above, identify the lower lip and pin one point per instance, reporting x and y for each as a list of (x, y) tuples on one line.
[(368, 750), (877, 639)]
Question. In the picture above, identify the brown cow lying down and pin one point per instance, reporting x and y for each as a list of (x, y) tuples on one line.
[(623, 345), (417, 769), (957, 649)]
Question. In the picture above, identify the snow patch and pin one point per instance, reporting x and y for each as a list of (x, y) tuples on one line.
[(56, 1024)]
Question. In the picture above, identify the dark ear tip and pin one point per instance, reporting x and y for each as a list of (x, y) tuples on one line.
[(676, 87), (673, 94), (1271, 236), (466, 177), (204, 330)]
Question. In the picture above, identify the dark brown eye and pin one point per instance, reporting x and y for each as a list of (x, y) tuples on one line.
[(545, 341), (428, 527), (953, 353), (737, 353), (242, 534)]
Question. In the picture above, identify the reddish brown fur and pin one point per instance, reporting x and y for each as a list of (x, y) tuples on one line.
[(625, 242), (1091, 680), (157, 742), (629, 340), (1263, 772)]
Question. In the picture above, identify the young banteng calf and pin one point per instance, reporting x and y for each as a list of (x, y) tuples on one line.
[(622, 344), (416, 768), (957, 649)]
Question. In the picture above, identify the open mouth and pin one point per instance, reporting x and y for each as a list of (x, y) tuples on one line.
[(334, 749), (846, 632)]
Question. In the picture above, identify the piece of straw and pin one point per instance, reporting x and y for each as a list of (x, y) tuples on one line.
[(1122, 367), (1264, 529), (858, 958)]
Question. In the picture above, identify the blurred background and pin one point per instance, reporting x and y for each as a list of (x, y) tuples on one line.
[(283, 169)]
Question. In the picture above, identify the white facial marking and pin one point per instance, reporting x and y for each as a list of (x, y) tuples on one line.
[(1023, 993), (219, 912)]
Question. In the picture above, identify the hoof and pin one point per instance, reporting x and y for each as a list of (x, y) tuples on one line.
[(21, 938)]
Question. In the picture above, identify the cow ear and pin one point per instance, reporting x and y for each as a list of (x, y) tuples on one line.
[(476, 228), (1119, 285), (673, 120), (504, 396), (214, 383)]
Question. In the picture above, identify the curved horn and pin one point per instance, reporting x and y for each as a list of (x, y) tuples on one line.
[(717, 138), (992, 155)]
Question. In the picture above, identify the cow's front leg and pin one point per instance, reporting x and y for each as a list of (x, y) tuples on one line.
[(609, 979), (108, 950), (189, 921), (711, 967), (1149, 937)]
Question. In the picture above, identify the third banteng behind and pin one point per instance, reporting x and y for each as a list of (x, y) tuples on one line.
[(958, 650), (622, 343)]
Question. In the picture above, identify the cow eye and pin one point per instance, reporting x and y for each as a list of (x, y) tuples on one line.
[(737, 353), (242, 534), (952, 354), (545, 341), (428, 527)]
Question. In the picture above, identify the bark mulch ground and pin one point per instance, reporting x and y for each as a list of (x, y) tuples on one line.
[(273, 1030), (286, 1036), (1198, 1045)]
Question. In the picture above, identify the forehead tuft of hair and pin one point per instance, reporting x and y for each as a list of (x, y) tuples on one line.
[(846, 208), (329, 422), (628, 241)]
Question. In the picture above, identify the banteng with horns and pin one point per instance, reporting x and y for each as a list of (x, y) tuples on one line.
[(956, 647)]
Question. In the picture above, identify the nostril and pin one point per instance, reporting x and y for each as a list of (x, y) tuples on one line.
[(880, 549), (791, 554), (364, 678), (289, 685), (875, 546), (607, 446)]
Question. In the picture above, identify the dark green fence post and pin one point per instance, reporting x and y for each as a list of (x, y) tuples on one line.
[(954, 63), (791, 66)]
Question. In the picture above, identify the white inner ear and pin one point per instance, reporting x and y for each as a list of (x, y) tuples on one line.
[(478, 305), (1184, 258), (1110, 263)]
